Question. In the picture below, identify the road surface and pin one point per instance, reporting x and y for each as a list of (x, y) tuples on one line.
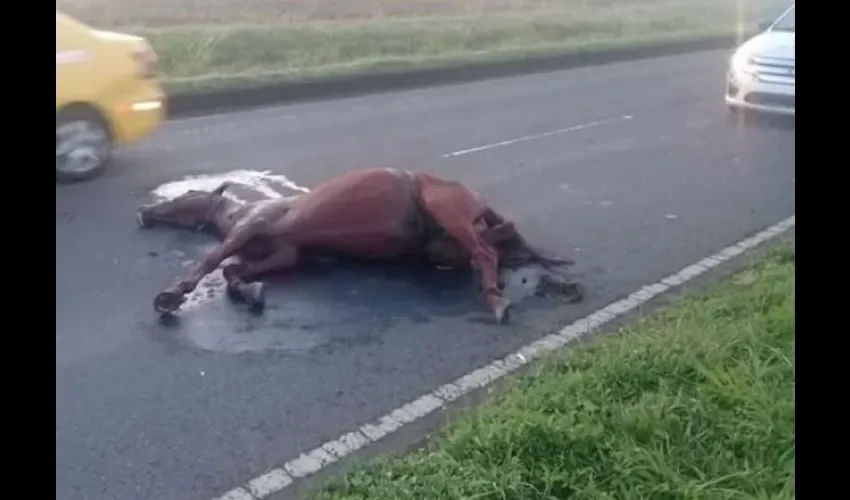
[(632, 169)]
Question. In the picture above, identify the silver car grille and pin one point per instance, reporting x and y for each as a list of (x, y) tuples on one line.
[(775, 69)]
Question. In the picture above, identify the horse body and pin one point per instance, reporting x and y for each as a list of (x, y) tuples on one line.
[(365, 213), (374, 213)]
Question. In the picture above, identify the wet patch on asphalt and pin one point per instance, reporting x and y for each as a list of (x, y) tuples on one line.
[(326, 303)]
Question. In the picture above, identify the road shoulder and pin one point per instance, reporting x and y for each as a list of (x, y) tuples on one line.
[(414, 425), (696, 395)]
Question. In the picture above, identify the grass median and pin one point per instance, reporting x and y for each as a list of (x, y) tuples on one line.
[(695, 401), (228, 43)]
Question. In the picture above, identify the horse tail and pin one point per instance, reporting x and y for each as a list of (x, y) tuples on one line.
[(493, 218)]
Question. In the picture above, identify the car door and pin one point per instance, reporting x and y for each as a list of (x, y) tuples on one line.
[(74, 56)]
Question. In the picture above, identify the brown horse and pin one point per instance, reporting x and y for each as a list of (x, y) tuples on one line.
[(377, 213)]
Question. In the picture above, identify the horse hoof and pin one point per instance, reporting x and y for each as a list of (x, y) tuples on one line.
[(254, 294), (502, 311), (143, 221), (167, 302)]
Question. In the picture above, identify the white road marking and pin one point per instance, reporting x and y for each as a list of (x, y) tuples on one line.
[(316, 459), (508, 142)]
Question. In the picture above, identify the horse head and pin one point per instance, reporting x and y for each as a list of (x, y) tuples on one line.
[(194, 209)]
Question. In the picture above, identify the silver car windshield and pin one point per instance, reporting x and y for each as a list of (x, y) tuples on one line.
[(786, 22)]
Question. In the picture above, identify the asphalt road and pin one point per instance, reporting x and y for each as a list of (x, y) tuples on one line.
[(174, 412)]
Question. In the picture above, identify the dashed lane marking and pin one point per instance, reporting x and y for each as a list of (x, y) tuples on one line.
[(524, 138)]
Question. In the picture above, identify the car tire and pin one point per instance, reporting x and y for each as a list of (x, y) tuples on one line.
[(83, 144)]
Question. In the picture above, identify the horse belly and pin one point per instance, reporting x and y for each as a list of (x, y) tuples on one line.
[(366, 218)]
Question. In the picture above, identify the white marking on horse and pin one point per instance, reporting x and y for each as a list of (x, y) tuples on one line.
[(263, 183)]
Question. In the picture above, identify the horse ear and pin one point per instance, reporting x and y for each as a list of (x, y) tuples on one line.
[(220, 189)]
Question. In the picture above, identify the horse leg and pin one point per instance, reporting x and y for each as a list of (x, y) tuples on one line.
[(456, 214), (240, 274), (445, 251), (168, 301)]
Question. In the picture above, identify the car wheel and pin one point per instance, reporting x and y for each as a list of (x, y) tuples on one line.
[(83, 144), (734, 114)]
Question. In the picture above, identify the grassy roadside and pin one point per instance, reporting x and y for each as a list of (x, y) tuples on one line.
[(225, 46), (695, 401)]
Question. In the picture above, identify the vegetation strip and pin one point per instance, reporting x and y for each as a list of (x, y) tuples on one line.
[(229, 44), (693, 401)]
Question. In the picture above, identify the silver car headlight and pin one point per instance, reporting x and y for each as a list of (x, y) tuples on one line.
[(742, 67)]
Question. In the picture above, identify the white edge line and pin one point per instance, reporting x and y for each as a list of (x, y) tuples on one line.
[(316, 459), (508, 142)]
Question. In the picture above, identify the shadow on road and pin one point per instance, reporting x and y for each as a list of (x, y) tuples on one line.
[(337, 302)]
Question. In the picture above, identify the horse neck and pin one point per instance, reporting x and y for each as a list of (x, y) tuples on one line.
[(227, 215), (230, 212)]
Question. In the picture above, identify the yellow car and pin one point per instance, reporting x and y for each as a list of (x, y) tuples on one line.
[(107, 93)]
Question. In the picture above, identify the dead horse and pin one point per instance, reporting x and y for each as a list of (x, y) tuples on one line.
[(376, 213)]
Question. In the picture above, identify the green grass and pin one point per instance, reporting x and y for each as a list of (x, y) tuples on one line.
[(245, 53), (695, 401)]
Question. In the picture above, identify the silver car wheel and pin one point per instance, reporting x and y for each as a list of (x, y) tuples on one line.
[(82, 146)]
